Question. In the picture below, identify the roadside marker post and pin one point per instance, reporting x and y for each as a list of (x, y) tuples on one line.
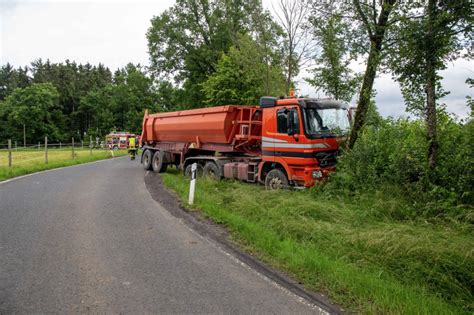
[(90, 145), (72, 148), (192, 187)]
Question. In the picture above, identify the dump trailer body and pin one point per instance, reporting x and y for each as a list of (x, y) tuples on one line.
[(229, 128)]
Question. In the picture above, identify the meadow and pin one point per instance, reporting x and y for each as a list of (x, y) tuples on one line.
[(30, 160)]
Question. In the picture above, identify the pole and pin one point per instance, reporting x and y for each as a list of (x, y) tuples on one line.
[(82, 144), (39, 145), (59, 145), (90, 145), (73, 148), (16, 147), (192, 186), (24, 136), (9, 153), (46, 150)]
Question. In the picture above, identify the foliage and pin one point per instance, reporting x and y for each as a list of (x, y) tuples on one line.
[(88, 100), (332, 73), (438, 33), (187, 40), (392, 156), (243, 75), (36, 106)]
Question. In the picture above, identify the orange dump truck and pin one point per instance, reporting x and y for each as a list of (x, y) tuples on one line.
[(282, 142)]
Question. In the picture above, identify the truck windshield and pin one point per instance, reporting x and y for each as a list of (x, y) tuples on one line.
[(325, 121)]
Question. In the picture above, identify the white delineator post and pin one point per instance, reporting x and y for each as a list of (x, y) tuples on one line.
[(192, 187)]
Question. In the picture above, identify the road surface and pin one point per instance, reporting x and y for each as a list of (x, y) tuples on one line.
[(90, 238)]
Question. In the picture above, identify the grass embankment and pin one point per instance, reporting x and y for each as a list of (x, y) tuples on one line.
[(349, 248), (26, 161)]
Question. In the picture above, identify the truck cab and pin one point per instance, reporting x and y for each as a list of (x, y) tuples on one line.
[(300, 137)]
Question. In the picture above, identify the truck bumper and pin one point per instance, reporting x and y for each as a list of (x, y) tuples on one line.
[(316, 175)]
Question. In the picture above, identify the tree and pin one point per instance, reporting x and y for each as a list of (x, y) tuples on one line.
[(429, 35), (298, 42), (11, 78), (332, 73), (375, 21), (243, 75), (186, 41), (37, 107)]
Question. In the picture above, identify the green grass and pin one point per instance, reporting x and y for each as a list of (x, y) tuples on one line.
[(26, 161), (347, 248)]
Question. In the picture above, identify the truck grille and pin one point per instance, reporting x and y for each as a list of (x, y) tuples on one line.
[(326, 158)]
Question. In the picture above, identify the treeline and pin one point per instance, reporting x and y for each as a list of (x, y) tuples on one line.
[(65, 100)]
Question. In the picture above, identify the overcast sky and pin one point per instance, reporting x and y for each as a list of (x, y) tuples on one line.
[(113, 33)]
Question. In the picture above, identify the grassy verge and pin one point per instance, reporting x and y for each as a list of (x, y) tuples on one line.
[(365, 261), (31, 161)]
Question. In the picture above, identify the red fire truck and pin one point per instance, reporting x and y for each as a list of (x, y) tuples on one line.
[(118, 140)]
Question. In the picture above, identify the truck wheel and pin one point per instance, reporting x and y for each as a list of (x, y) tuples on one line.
[(187, 171), (276, 180), (157, 162), (146, 160), (212, 170)]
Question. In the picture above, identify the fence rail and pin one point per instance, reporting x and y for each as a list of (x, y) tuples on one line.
[(12, 155)]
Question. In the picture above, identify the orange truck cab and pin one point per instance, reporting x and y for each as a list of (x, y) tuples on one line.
[(283, 142), (301, 136)]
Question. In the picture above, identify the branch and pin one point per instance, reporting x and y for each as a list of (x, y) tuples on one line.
[(362, 15)]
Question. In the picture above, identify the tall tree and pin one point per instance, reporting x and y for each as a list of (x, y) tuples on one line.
[(11, 78), (243, 75), (37, 107), (293, 17), (332, 73), (375, 21), (186, 41), (429, 35)]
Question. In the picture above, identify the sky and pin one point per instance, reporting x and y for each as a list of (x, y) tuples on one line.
[(112, 32)]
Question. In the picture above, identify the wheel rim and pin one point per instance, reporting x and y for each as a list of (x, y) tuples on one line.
[(276, 183), (156, 162), (146, 159)]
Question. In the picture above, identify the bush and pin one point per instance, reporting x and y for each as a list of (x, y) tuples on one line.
[(391, 156)]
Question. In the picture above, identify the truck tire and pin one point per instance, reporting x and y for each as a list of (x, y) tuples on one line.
[(157, 162), (276, 180), (187, 171), (211, 170), (146, 160)]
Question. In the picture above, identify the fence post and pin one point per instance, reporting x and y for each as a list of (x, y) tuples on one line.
[(16, 147), (73, 148), (46, 150), (39, 145), (9, 153), (82, 144), (90, 145), (59, 145)]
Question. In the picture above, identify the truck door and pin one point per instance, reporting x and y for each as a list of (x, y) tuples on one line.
[(283, 139)]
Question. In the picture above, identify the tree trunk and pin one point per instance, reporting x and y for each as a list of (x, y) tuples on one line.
[(373, 61), (431, 119)]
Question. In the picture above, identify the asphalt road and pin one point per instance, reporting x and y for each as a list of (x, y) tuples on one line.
[(90, 238)]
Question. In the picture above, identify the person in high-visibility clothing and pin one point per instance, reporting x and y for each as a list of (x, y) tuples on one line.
[(132, 147)]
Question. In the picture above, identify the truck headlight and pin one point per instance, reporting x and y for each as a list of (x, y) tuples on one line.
[(317, 174)]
